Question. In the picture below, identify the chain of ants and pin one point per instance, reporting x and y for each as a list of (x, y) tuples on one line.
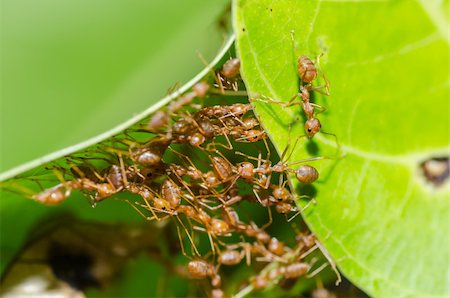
[(204, 200)]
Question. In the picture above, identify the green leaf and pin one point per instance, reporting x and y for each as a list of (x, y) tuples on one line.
[(72, 70), (385, 225)]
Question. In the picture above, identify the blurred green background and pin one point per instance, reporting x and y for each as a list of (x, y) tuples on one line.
[(73, 69)]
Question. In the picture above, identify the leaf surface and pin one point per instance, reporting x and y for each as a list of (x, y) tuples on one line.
[(383, 223)]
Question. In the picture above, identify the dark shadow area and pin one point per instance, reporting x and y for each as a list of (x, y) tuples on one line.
[(312, 148), (307, 190)]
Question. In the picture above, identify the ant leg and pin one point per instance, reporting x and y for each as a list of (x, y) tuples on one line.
[(332, 263), (294, 46), (307, 160), (293, 147), (256, 195), (213, 250), (189, 236), (219, 80), (213, 144), (267, 148), (139, 211), (317, 271), (300, 210), (291, 102), (190, 162), (322, 109), (76, 169), (217, 76), (326, 86), (267, 224), (248, 253), (295, 215), (122, 169), (259, 159), (17, 188), (308, 252), (181, 242), (339, 148)]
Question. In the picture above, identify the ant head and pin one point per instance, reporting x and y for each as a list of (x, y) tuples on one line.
[(281, 194), (147, 173), (161, 204), (306, 239), (312, 126), (239, 109), (306, 174), (245, 170)]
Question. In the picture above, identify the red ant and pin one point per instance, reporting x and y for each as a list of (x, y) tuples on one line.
[(226, 77), (161, 118)]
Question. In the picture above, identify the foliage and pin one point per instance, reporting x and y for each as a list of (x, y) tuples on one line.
[(383, 223)]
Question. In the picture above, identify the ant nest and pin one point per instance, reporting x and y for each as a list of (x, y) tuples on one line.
[(182, 166)]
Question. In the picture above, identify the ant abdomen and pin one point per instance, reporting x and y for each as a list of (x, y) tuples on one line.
[(275, 246), (158, 121), (230, 257), (223, 167), (200, 269), (306, 174), (52, 196), (201, 89), (114, 176), (231, 68), (171, 193), (295, 270), (306, 69), (147, 157)]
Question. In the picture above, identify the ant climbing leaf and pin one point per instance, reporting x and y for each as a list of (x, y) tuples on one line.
[(378, 212)]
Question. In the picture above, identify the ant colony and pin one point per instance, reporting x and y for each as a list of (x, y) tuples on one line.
[(185, 165)]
